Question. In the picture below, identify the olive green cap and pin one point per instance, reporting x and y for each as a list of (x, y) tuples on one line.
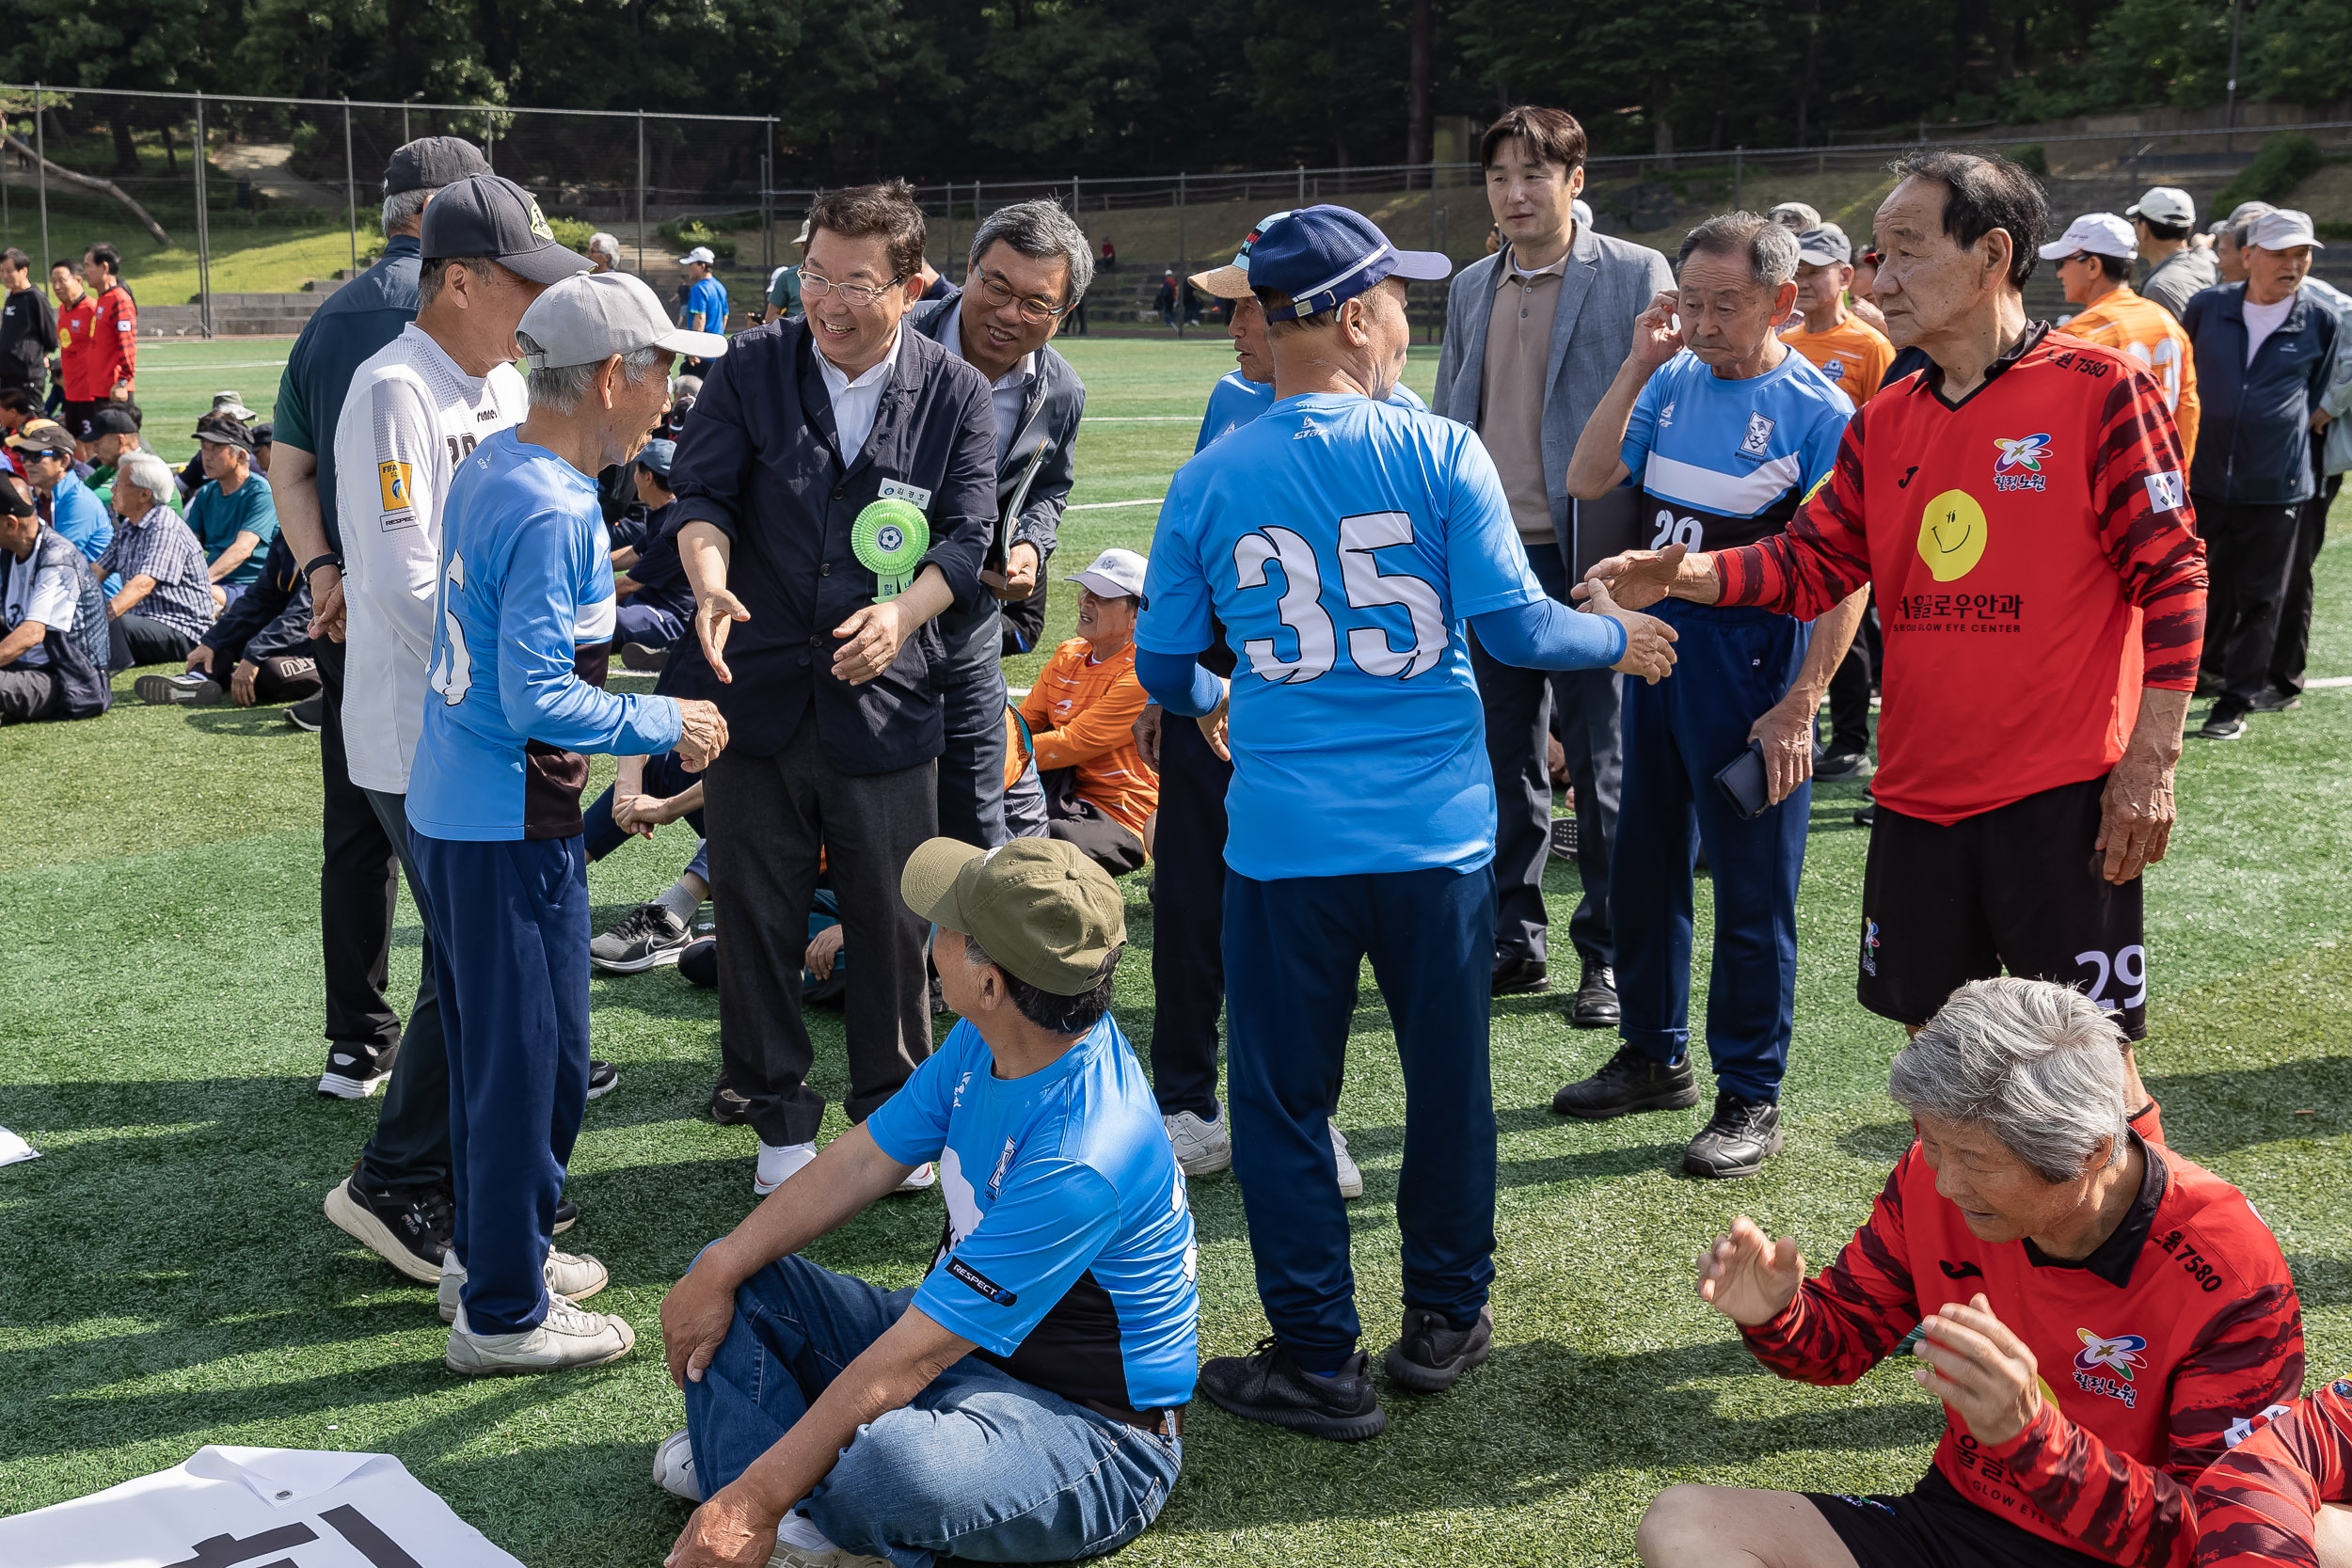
[(1045, 913)]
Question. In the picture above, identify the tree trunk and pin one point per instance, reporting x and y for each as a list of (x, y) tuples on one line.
[(1812, 54), (171, 158), (1417, 149), (126, 153)]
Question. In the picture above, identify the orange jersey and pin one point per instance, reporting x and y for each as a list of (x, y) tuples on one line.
[(2149, 333), (1854, 354), (1083, 713)]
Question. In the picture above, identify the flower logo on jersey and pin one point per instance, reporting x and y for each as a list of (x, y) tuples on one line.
[(2103, 1354), (2019, 466), (1870, 947), (1952, 534)]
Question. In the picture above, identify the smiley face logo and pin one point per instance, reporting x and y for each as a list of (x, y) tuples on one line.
[(1952, 535)]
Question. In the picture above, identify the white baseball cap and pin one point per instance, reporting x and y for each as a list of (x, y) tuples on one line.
[(2100, 233), (2164, 204), (1116, 574), (700, 253), (2282, 231), (589, 317)]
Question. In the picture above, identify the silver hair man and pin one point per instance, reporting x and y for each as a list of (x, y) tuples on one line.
[(562, 388), (2037, 1063), (1769, 247), (148, 474), (1042, 230)]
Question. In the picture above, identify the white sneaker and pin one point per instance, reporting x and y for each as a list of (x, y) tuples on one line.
[(921, 1179), (674, 1467), (572, 1277), (801, 1545), (566, 1337), (779, 1164), (1351, 1179), (1202, 1148)]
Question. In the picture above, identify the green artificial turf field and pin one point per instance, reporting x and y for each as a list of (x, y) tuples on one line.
[(169, 1280)]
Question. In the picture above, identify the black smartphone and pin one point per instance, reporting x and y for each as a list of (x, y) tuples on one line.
[(1744, 782)]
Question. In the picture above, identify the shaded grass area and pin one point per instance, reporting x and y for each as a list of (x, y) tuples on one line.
[(167, 1279)]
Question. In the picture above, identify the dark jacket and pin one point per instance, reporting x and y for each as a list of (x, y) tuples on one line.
[(28, 336), (2254, 440), (78, 653), (341, 335), (758, 462), (271, 617)]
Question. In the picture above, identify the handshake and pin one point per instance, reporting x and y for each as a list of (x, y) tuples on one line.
[(1620, 588)]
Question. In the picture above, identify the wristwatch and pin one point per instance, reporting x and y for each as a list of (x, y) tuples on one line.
[(329, 559)]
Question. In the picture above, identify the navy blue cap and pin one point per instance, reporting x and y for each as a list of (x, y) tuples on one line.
[(657, 457), (1321, 256)]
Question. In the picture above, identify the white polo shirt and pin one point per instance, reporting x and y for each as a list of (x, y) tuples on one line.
[(856, 402), (410, 417)]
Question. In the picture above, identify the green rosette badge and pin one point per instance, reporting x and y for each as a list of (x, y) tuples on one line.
[(888, 539)]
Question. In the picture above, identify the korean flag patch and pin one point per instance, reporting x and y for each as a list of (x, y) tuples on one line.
[(2166, 493), (1760, 437)]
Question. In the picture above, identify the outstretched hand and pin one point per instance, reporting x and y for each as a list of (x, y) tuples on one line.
[(1636, 579), (715, 614), (1649, 642), (1748, 1276)]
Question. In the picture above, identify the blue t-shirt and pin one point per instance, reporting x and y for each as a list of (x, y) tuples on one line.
[(77, 514), (1343, 542), (216, 517), (526, 589), (1722, 463), (710, 296), (1236, 399), (1069, 1254)]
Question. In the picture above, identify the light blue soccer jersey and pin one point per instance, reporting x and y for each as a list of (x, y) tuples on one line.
[(1722, 463), (526, 583), (1236, 399), (710, 296), (1069, 1254), (1343, 543)]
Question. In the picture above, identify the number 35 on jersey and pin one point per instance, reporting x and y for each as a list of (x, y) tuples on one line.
[(1272, 553)]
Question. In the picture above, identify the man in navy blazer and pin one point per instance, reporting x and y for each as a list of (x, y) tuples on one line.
[(1030, 265), (1533, 336), (817, 640)]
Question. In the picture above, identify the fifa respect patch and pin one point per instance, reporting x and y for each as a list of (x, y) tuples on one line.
[(959, 1269), (393, 481)]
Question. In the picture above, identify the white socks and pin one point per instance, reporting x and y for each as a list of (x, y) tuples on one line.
[(684, 899), (780, 1162)]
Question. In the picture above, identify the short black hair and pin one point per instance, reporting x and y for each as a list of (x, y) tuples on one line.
[(1053, 1013), (1984, 192), (1551, 136), (2166, 230), (105, 256), (2118, 268), (16, 258), (19, 400)]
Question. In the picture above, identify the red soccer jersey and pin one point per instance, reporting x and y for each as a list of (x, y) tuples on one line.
[(114, 344), (2255, 1508), (2035, 564), (76, 345), (2183, 1322)]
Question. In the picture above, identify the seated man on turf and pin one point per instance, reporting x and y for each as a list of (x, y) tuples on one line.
[(53, 618), (45, 452), (1099, 791), (257, 651), (164, 607), (1025, 1402), (2283, 1495), (656, 602), (2097, 1314), (232, 514)]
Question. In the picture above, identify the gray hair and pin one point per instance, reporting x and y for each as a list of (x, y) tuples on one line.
[(435, 272), (1769, 247), (563, 387), (602, 244), (144, 470), (2037, 1063), (1044, 233), (405, 212)]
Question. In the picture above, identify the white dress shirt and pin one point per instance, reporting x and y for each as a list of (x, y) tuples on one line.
[(1007, 395), (856, 402)]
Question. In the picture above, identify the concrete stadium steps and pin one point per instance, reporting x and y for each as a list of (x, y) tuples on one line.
[(236, 315)]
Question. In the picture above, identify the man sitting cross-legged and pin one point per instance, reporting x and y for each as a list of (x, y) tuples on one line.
[(1023, 1403)]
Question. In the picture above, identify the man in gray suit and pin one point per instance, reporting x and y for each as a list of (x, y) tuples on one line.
[(1534, 335), (1030, 265)]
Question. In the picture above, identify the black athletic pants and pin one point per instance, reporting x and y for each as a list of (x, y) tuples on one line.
[(152, 642), (2295, 616), (1187, 920), (411, 1149), (2250, 554), (1850, 690), (358, 879)]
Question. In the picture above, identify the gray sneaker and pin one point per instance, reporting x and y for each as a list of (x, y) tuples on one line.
[(189, 690), (570, 1276), (674, 1467), (1202, 1148), (568, 1336), (647, 935), (1351, 1179)]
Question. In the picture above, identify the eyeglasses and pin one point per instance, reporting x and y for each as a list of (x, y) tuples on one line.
[(857, 296), (999, 294)]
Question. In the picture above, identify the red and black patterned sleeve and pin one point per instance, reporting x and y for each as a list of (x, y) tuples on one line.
[(2247, 1359), (2258, 1506), (1847, 1318), (1823, 557), (2147, 529)]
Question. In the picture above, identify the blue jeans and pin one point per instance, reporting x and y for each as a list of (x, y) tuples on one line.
[(981, 1465)]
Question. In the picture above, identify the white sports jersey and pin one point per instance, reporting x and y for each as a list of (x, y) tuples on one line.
[(410, 417)]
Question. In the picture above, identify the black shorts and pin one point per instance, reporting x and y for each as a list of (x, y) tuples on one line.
[(77, 415), (1933, 1525), (2016, 890)]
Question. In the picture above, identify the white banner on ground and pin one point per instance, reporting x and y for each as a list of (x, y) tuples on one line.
[(255, 1508)]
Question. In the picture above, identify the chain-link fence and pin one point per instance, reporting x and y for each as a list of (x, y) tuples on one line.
[(286, 203)]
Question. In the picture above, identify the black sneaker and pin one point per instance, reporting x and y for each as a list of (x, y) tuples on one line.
[(566, 1215), (1736, 1139), (1628, 1082), (1867, 816), (698, 962), (647, 935), (310, 715), (1840, 765), (355, 1072), (728, 1108), (1563, 838), (2227, 722), (1595, 1004), (1431, 1355), (1267, 1386), (643, 655), (407, 1229), (603, 1078), (1520, 976), (2273, 701), (189, 691)]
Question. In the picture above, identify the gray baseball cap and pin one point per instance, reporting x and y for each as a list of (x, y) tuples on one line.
[(429, 162), (487, 214), (1826, 245), (589, 317)]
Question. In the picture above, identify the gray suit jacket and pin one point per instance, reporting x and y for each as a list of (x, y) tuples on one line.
[(1608, 282), (1033, 482)]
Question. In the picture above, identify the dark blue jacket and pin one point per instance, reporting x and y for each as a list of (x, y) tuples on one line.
[(2254, 436), (758, 462), (271, 617), (78, 653), (341, 335)]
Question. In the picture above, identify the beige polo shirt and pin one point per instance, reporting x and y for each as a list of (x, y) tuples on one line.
[(1511, 403)]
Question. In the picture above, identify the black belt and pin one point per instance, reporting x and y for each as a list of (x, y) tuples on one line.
[(1166, 1421)]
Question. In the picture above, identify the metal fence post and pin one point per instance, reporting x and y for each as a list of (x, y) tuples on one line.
[(203, 232), (40, 171), (1181, 249), (351, 191), (640, 190), (1739, 183), (1302, 186), (767, 195), (951, 223)]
